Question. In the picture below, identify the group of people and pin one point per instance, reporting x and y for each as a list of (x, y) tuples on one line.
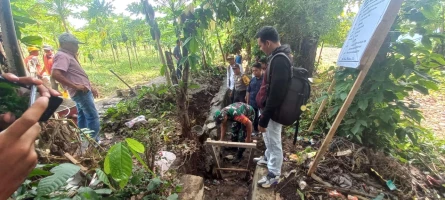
[(254, 100)]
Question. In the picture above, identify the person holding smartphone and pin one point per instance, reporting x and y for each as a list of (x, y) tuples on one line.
[(17, 136), (68, 72)]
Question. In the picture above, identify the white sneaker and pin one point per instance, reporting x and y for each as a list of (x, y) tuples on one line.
[(262, 163), (262, 180), (258, 159), (271, 180)]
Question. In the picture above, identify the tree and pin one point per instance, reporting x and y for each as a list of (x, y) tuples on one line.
[(303, 28), (156, 35), (62, 9)]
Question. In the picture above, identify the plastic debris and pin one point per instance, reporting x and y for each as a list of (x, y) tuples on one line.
[(229, 157), (335, 194), (164, 161), (380, 197), (350, 197), (139, 119), (302, 184), (344, 153), (293, 157), (391, 185)]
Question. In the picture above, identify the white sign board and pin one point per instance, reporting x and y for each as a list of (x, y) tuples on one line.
[(363, 29)]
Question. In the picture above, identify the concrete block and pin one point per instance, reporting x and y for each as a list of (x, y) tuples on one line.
[(192, 187)]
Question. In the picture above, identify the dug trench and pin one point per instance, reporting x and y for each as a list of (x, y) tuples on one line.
[(232, 185)]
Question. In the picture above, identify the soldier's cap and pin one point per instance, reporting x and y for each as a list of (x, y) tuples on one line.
[(69, 38)]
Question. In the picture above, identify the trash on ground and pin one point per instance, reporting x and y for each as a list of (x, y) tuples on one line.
[(335, 194), (139, 119), (164, 161), (302, 184), (344, 153)]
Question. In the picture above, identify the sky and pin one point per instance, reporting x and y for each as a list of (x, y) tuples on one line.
[(119, 7)]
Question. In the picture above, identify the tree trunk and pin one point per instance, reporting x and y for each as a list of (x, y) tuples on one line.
[(220, 46), (136, 54), (167, 73), (64, 24), (307, 54), (9, 37), (249, 52), (3, 60), (112, 51), (129, 58), (182, 100), (171, 66), (204, 62)]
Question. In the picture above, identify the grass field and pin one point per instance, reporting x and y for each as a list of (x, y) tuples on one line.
[(98, 71)]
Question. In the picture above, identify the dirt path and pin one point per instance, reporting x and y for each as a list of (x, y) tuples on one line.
[(103, 104), (433, 109)]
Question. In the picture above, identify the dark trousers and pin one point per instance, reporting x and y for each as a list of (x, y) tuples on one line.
[(240, 96), (179, 71), (255, 122), (239, 132)]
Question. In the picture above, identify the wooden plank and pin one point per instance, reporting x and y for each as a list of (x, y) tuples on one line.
[(233, 169), (366, 62), (230, 144), (322, 105), (250, 160)]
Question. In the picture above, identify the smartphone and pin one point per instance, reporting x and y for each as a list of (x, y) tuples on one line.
[(17, 98)]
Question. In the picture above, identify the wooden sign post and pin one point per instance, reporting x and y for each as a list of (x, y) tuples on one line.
[(371, 25)]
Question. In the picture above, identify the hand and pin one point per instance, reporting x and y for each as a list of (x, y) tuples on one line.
[(95, 93), (8, 118), (261, 129), (81, 88), (17, 153), (248, 140)]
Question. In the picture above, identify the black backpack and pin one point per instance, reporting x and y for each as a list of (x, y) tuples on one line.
[(298, 93)]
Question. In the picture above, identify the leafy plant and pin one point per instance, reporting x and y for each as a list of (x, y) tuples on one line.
[(119, 164), (60, 175)]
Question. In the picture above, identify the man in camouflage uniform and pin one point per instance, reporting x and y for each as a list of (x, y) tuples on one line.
[(242, 116)]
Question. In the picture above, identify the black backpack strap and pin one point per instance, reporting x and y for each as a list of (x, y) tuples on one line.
[(297, 126)]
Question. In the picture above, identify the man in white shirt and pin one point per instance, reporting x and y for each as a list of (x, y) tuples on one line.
[(230, 76)]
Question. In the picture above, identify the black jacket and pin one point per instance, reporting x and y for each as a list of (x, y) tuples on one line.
[(280, 69)]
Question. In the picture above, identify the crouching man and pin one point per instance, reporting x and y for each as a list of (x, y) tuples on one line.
[(242, 116)]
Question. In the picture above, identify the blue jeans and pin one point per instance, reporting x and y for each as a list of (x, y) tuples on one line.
[(87, 116)]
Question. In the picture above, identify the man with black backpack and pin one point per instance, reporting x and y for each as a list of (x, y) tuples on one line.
[(283, 93)]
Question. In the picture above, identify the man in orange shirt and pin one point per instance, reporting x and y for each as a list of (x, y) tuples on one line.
[(48, 62), (32, 63)]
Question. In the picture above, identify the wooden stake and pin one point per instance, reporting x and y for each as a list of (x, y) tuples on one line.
[(233, 169), (231, 144), (74, 161), (365, 63), (322, 105), (216, 160)]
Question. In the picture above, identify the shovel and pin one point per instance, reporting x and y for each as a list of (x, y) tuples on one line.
[(132, 93)]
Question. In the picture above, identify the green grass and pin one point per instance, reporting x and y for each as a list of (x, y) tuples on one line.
[(107, 83)]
